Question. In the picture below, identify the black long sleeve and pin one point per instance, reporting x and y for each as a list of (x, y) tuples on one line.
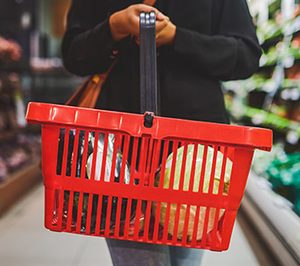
[(215, 41), (87, 45), (233, 53)]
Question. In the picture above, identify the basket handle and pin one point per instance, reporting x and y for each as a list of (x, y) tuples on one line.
[(148, 64)]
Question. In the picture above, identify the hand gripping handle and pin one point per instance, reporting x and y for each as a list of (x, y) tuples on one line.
[(148, 64)]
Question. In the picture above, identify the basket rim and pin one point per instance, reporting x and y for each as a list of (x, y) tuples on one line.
[(163, 127)]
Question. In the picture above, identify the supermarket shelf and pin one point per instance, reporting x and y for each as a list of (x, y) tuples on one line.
[(267, 119), (18, 184), (274, 221), (7, 135), (10, 134)]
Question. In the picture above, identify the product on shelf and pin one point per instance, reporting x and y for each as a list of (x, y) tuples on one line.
[(271, 98), (17, 151), (269, 34), (262, 159), (284, 175), (283, 172), (32, 142), (9, 50), (45, 64), (290, 98), (3, 169), (3, 120), (12, 108), (15, 156)]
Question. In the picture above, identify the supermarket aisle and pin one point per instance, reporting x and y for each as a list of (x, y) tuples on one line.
[(24, 242)]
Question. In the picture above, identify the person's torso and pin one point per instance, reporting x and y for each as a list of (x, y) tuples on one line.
[(184, 91)]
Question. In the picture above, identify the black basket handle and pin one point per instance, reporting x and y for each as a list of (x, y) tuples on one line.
[(148, 63)]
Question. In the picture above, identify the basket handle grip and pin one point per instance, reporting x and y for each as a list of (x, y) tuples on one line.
[(148, 64)]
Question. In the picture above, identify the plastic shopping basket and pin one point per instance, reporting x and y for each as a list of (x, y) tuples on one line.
[(143, 177)]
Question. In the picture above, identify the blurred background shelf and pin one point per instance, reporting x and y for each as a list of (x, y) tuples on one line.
[(18, 183), (276, 226), (270, 211)]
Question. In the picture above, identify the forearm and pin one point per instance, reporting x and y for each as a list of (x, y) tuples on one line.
[(88, 52), (219, 56)]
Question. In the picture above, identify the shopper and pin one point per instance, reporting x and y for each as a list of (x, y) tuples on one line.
[(200, 44)]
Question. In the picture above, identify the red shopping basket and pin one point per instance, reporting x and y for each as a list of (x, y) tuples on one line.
[(131, 209), (144, 178)]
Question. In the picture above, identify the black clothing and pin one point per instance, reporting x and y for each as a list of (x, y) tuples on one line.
[(215, 41)]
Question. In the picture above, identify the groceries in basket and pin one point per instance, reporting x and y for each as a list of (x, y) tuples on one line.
[(91, 151), (108, 153), (187, 175), (109, 158)]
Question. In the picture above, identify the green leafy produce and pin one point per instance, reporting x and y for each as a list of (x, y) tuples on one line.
[(270, 58), (194, 188), (269, 30), (284, 175), (263, 159), (274, 8)]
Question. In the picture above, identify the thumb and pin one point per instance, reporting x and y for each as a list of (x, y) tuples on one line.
[(160, 25), (160, 16)]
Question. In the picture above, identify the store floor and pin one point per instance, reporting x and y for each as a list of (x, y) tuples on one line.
[(24, 242)]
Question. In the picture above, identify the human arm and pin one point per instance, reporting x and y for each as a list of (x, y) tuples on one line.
[(232, 53), (90, 40)]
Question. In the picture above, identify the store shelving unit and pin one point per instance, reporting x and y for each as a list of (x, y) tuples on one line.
[(276, 225), (21, 163), (37, 26), (267, 119), (24, 173), (270, 220), (18, 183), (20, 179)]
